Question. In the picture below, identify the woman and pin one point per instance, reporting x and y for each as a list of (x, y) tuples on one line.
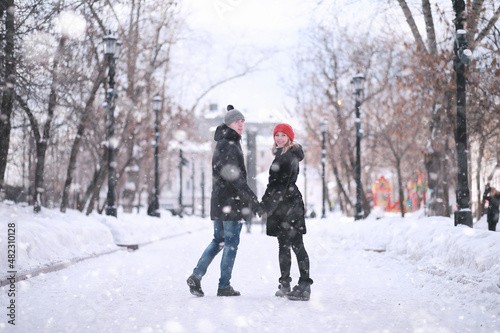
[(285, 212), (493, 197)]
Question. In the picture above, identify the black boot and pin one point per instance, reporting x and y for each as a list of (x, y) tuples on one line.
[(195, 286), (229, 291), (284, 287), (302, 291), (283, 290)]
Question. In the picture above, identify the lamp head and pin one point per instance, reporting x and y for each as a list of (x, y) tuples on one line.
[(461, 36), (465, 56), (110, 42), (357, 82), (157, 102), (322, 126)]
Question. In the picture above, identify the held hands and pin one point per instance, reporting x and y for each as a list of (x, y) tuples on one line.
[(259, 209), (486, 192)]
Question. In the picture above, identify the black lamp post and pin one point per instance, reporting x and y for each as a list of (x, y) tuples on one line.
[(323, 157), (155, 204), (110, 48), (463, 56), (357, 82), (181, 164), (305, 145), (202, 191)]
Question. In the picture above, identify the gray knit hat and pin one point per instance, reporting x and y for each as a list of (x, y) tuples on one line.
[(232, 115)]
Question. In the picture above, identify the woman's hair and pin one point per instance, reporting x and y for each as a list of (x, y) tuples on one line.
[(493, 191), (289, 144)]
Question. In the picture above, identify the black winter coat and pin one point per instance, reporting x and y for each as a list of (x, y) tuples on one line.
[(232, 199), (283, 201), (493, 203)]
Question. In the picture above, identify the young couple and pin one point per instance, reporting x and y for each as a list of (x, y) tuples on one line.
[(233, 200)]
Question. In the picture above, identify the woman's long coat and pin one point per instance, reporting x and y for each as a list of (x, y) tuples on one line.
[(283, 201), (493, 203), (232, 199)]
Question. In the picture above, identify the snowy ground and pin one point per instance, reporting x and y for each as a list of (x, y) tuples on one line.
[(379, 275)]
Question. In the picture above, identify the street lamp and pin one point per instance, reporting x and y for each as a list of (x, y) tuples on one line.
[(202, 190), (322, 126), (305, 145), (463, 56), (181, 136), (110, 49), (155, 204), (357, 82)]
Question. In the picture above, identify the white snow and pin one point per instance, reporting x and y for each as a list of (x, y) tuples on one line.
[(382, 274)]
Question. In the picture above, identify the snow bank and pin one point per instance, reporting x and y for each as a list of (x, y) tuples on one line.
[(51, 237), (130, 229), (433, 243)]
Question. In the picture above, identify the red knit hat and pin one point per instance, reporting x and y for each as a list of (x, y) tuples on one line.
[(284, 128)]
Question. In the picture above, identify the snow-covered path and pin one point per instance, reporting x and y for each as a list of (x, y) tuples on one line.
[(355, 290)]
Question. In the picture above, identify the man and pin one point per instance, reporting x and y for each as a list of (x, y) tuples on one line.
[(493, 197), (232, 201)]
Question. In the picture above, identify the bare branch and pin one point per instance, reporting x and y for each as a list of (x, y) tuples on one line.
[(487, 28), (429, 25), (225, 80), (413, 25)]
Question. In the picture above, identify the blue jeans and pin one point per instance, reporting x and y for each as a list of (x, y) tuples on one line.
[(227, 237)]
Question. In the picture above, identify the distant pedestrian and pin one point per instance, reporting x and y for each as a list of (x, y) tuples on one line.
[(232, 201), (493, 197), (284, 206)]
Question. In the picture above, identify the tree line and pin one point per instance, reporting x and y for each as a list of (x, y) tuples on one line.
[(409, 105), (54, 80), (53, 77)]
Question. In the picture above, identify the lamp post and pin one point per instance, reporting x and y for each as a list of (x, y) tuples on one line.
[(305, 145), (357, 82), (110, 48), (181, 164), (252, 158), (181, 137), (155, 204), (463, 56), (193, 187), (202, 191), (323, 157)]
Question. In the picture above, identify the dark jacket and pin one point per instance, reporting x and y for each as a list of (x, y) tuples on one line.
[(232, 199), (283, 201), (493, 197)]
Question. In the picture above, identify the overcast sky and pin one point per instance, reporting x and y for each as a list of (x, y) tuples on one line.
[(229, 33), (223, 34)]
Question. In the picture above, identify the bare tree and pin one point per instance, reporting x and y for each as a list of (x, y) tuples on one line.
[(436, 156), (8, 65)]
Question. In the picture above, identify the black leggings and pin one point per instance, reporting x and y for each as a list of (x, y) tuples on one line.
[(492, 218), (295, 241)]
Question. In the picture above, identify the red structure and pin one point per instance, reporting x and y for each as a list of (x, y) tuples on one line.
[(417, 190), (381, 191)]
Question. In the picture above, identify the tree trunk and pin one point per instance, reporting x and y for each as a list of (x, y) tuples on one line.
[(96, 190), (479, 161), (446, 181), (429, 26), (412, 24), (42, 142), (41, 149), (99, 175), (78, 138), (347, 201), (400, 188), (435, 201), (367, 209), (9, 78)]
